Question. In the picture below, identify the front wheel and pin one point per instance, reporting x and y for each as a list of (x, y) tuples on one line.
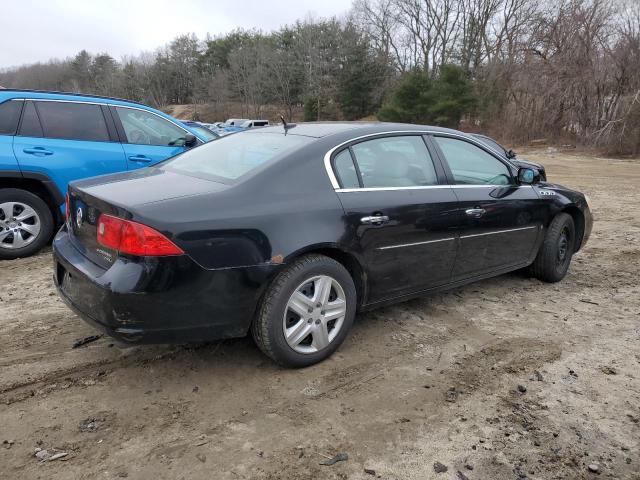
[(553, 259), (307, 312), (26, 223)]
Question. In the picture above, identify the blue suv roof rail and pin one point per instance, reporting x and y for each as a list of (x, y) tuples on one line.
[(71, 93)]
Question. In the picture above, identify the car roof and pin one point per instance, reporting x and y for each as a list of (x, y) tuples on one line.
[(55, 95), (325, 129), (11, 93)]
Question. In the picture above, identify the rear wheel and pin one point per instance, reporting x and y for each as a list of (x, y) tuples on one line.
[(553, 259), (307, 312), (26, 223)]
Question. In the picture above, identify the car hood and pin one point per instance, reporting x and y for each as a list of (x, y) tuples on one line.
[(145, 186)]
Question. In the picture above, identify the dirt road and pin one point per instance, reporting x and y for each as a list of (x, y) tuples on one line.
[(508, 378)]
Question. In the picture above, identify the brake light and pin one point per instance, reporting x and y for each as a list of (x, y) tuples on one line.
[(133, 238), (67, 207)]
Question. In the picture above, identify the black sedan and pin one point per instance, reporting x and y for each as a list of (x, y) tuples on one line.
[(287, 231)]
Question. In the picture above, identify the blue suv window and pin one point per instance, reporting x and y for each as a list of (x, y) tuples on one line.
[(73, 121), (146, 128), (9, 116), (30, 125)]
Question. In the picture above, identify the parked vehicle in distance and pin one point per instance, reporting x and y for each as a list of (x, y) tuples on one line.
[(255, 123), (48, 139), (234, 122), (511, 155), (288, 231)]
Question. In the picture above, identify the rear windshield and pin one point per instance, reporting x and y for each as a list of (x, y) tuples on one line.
[(236, 155)]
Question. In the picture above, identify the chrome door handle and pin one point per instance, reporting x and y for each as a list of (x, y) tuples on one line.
[(374, 220), (475, 212)]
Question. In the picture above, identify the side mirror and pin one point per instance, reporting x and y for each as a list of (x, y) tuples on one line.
[(526, 175), (190, 140)]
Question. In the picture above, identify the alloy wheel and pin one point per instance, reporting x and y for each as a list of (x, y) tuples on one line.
[(563, 246), (314, 314), (19, 225)]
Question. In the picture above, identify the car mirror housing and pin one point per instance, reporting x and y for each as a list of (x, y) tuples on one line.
[(527, 175), (190, 140)]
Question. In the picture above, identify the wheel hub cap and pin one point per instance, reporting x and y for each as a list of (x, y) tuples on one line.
[(19, 225), (563, 247), (314, 314)]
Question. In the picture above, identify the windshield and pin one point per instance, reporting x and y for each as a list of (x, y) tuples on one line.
[(232, 156), (491, 143), (205, 132)]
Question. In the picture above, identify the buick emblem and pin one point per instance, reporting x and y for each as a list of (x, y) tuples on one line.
[(79, 217)]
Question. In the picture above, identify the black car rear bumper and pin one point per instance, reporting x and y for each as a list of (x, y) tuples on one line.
[(159, 299)]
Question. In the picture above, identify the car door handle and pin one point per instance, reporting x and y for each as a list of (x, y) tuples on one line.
[(374, 220), (475, 212), (139, 158), (37, 151)]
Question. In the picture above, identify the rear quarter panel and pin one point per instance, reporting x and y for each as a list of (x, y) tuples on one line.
[(266, 219), (8, 162)]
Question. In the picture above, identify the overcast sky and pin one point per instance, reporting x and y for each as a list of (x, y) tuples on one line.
[(38, 30)]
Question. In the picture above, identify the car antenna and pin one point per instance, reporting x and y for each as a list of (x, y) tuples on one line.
[(286, 125)]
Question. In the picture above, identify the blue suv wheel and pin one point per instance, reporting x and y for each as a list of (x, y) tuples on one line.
[(48, 139), (26, 223)]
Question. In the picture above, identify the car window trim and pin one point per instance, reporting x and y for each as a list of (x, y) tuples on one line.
[(426, 187), (330, 154), (111, 124), (335, 151), (122, 133), (477, 143)]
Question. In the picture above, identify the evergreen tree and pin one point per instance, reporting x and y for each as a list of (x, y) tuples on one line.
[(440, 101)]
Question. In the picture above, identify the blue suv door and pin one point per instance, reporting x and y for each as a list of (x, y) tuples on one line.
[(67, 141), (147, 137), (9, 116)]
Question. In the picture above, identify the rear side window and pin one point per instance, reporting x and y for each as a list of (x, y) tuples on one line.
[(232, 156), (346, 170), (470, 165), (30, 125), (146, 128), (395, 162), (9, 116), (72, 121)]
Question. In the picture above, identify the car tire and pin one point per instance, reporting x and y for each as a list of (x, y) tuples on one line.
[(293, 304), (553, 259), (36, 229)]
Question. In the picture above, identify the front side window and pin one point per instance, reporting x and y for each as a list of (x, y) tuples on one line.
[(72, 121), (395, 162), (9, 116), (470, 165), (233, 156), (146, 128)]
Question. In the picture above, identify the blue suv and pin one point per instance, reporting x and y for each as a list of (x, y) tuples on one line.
[(48, 139)]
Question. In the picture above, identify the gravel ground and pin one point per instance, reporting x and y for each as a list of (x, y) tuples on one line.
[(507, 378)]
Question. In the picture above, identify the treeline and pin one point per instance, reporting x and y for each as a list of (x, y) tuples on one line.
[(564, 70)]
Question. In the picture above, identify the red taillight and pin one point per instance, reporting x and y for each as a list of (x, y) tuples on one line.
[(67, 207), (133, 238)]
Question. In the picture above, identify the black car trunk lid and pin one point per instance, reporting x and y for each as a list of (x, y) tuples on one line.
[(84, 213)]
